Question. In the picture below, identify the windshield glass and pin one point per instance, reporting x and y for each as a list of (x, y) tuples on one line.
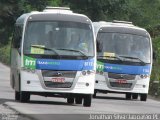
[(127, 46), (58, 37)]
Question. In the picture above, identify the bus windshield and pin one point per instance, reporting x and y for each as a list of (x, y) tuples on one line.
[(62, 38), (128, 47)]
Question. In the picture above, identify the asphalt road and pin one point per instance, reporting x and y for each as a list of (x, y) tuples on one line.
[(47, 108)]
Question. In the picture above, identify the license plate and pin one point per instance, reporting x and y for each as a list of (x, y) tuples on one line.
[(58, 80), (121, 81)]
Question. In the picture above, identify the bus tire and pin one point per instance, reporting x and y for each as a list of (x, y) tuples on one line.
[(128, 96), (143, 97), (70, 100), (17, 95), (135, 96), (24, 96), (78, 100), (87, 100), (95, 92)]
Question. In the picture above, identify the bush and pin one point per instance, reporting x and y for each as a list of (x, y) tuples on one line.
[(5, 54), (155, 76)]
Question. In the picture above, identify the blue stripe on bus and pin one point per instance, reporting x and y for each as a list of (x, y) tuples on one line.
[(77, 65), (127, 69)]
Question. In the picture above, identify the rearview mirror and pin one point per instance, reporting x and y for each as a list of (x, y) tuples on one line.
[(99, 47), (17, 42), (154, 55)]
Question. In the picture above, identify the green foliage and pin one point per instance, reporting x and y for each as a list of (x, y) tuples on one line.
[(99, 9), (155, 76), (5, 54), (144, 12), (156, 62), (9, 11)]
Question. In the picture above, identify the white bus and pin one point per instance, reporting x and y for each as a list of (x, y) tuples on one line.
[(124, 59), (53, 54)]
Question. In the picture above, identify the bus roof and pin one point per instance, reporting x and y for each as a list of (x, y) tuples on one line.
[(56, 12), (119, 26)]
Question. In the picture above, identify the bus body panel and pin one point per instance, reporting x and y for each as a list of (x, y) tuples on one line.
[(38, 86), (137, 88), (15, 69)]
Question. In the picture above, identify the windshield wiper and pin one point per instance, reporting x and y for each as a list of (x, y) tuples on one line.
[(116, 56), (74, 51), (136, 58), (45, 48)]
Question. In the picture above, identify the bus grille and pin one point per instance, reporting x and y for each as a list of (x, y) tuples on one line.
[(121, 85), (58, 74), (66, 74), (58, 85), (121, 76)]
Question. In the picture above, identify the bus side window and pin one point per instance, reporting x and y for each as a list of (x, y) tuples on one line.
[(17, 36)]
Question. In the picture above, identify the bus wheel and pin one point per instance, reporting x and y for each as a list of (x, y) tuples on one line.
[(87, 100), (143, 97), (70, 100), (95, 92), (24, 96), (78, 100), (17, 95), (134, 95), (128, 96)]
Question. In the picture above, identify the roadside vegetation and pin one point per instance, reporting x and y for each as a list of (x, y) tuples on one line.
[(5, 54)]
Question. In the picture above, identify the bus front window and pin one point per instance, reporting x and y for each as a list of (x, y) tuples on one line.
[(124, 45), (65, 38)]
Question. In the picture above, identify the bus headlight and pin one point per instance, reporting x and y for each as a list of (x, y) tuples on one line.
[(100, 72), (87, 72), (84, 73), (144, 76), (29, 70)]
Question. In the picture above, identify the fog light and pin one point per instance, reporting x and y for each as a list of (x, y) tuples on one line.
[(144, 86), (28, 82), (87, 84)]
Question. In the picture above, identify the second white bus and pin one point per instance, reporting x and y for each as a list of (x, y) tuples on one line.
[(124, 59)]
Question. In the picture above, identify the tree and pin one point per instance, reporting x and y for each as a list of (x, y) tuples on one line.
[(10, 10)]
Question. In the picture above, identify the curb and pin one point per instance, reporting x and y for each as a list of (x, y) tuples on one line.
[(18, 112)]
